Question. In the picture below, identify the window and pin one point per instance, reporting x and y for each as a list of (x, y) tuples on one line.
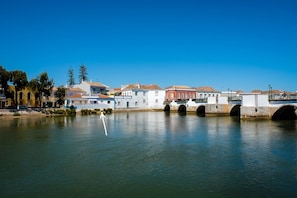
[(136, 103), (119, 103), (21, 95), (29, 96), (108, 102), (178, 96), (156, 93), (143, 93), (135, 93), (143, 101), (156, 101)]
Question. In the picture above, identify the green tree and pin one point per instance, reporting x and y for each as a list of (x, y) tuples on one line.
[(60, 94), (42, 85), (19, 80), (83, 73), (4, 79), (71, 79)]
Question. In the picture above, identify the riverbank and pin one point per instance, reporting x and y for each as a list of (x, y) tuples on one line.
[(6, 114)]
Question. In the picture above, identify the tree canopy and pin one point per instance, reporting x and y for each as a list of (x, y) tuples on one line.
[(60, 94), (71, 79), (83, 73), (42, 85), (4, 78), (19, 80)]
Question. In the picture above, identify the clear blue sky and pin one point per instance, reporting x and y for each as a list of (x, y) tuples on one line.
[(239, 44)]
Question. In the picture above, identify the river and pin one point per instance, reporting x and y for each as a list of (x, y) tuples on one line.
[(147, 154)]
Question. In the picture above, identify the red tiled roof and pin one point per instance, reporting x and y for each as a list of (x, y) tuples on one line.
[(175, 87), (95, 84), (117, 89), (103, 96), (206, 89), (143, 87), (75, 96), (76, 89)]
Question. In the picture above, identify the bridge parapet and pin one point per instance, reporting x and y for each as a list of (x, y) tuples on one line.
[(251, 106)]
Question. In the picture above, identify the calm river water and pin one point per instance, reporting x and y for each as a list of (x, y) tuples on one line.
[(147, 154)]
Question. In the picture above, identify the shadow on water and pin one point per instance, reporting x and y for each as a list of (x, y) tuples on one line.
[(287, 126)]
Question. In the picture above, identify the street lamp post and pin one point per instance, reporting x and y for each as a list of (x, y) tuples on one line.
[(270, 92)]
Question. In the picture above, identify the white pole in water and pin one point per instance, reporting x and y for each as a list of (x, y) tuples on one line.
[(102, 117)]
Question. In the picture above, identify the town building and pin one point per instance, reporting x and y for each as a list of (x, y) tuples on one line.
[(180, 93), (140, 97), (88, 95), (92, 88), (203, 92)]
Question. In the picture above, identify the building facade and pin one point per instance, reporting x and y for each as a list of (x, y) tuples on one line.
[(204, 92), (92, 88), (139, 96), (180, 93)]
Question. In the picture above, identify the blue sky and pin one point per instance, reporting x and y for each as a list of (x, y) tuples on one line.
[(226, 44)]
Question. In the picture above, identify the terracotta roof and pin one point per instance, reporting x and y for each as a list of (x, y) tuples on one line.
[(143, 87), (103, 96), (256, 91), (174, 87), (117, 89), (95, 84), (75, 96), (206, 89), (76, 89)]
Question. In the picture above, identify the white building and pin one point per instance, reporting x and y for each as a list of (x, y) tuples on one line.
[(140, 97), (92, 88), (204, 92), (89, 95)]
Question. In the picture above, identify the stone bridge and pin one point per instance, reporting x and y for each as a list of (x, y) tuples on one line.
[(250, 106)]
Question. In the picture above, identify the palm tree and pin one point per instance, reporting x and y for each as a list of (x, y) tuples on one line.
[(42, 85)]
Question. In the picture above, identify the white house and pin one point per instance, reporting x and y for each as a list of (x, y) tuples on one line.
[(140, 97), (89, 95), (80, 101), (203, 92), (156, 97), (92, 88)]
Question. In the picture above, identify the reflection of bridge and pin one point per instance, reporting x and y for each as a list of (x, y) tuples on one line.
[(250, 106)]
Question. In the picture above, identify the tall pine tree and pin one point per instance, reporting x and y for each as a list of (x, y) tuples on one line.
[(71, 79), (83, 73)]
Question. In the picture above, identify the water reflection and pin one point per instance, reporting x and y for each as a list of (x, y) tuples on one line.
[(148, 154)]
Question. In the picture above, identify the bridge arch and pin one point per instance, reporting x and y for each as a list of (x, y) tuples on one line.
[(182, 110), (167, 108), (235, 111), (286, 112), (200, 111)]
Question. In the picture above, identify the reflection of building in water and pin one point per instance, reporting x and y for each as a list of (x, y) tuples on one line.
[(140, 122)]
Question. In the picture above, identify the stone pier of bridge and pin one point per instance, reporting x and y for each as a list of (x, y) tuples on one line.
[(251, 106)]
